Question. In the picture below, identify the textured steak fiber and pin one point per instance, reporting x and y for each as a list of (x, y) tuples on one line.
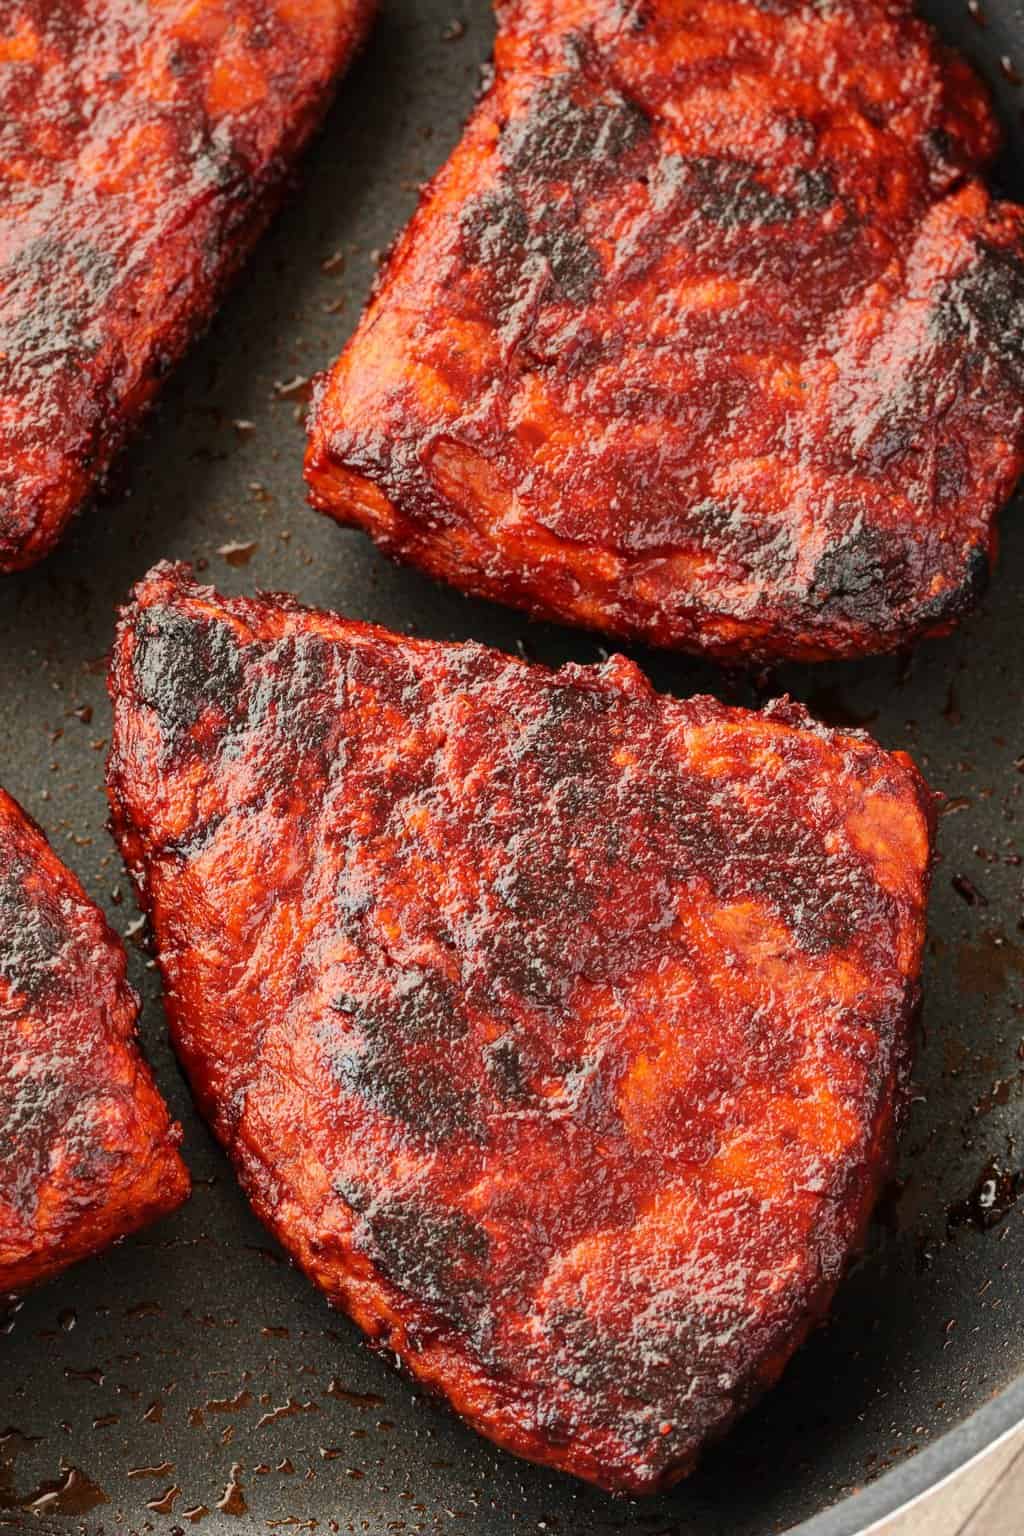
[(87, 1150), (142, 146), (707, 333), (555, 1027)]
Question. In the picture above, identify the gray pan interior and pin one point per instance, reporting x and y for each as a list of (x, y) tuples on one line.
[(192, 1368)]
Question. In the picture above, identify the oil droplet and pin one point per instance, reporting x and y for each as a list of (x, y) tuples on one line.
[(164, 1505), (968, 891), (357, 1399), (298, 388), (73, 1493), (197, 1513), (8, 1314), (163, 1470), (92, 1373), (1000, 1093), (991, 1200), (145, 1309), (232, 1500), (234, 1404), (12, 1442), (287, 1410), (238, 554), (154, 1414), (67, 1319)]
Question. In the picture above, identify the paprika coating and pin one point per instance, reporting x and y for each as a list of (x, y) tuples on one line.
[(88, 1152), (709, 334), (558, 1029)]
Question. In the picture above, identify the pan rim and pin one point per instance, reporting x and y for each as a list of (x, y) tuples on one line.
[(924, 1473)]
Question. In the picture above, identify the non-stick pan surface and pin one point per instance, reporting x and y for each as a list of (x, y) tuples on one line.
[(191, 1376)]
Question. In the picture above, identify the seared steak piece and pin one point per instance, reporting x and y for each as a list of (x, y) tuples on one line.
[(88, 1152), (708, 333), (143, 145), (558, 1029)]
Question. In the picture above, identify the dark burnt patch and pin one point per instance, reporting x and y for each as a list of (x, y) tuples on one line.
[(288, 693), (184, 665), (983, 308), (957, 601), (726, 192), (354, 898), (727, 530), (697, 828), (77, 278), (434, 1254), (862, 577), (568, 737), (636, 1373), (31, 939), (560, 138), (34, 1109), (400, 1061), (503, 1063), (499, 240), (575, 265), (495, 228)]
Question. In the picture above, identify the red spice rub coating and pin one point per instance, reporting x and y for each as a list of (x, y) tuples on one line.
[(143, 144), (706, 333), (87, 1150), (555, 1027)]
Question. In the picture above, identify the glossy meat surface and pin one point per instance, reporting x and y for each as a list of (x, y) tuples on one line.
[(555, 1027), (143, 144), (707, 333), (88, 1152)]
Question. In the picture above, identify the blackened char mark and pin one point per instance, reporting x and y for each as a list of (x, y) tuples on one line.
[(182, 666), (985, 306), (499, 239), (59, 325), (957, 601), (30, 938), (436, 1255), (559, 138), (862, 577), (398, 1060), (731, 194), (38, 1113)]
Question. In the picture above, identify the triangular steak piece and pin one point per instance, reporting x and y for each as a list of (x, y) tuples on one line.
[(557, 1028), (88, 1151), (707, 333), (143, 145)]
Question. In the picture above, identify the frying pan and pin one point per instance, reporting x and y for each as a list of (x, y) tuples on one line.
[(192, 1370)]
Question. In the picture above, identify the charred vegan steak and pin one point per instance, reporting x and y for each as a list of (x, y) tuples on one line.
[(707, 333), (88, 1152), (557, 1028), (142, 147)]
